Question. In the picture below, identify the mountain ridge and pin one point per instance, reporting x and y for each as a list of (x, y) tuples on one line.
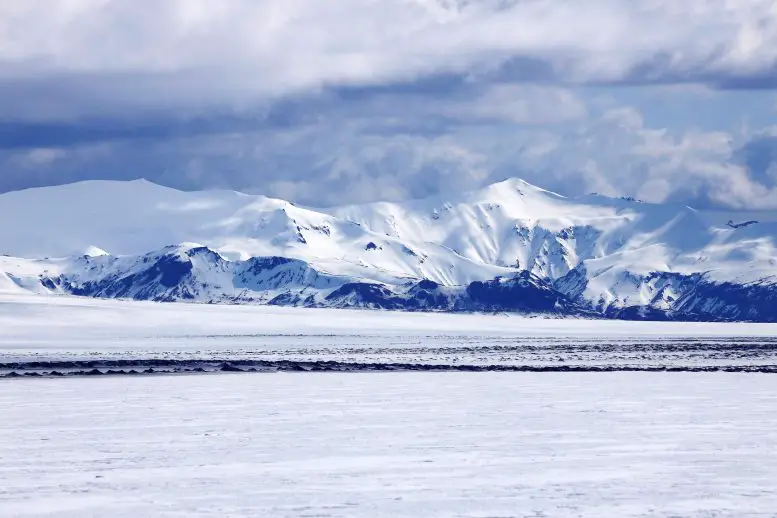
[(510, 246)]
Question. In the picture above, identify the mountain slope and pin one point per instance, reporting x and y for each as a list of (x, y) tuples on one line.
[(508, 247), (191, 272), (132, 218)]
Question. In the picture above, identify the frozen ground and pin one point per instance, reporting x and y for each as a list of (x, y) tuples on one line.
[(65, 335), (391, 445), (495, 444)]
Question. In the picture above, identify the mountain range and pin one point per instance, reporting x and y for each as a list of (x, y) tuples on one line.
[(510, 246)]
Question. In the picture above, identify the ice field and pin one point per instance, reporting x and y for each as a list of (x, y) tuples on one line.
[(44, 334), (354, 444), (390, 444)]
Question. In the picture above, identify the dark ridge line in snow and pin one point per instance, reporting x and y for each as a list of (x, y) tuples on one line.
[(158, 366), (739, 348), (469, 337)]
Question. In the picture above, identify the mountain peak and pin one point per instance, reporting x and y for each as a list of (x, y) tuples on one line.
[(603, 253), (512, 186)]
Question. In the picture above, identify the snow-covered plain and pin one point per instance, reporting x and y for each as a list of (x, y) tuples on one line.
[(393, 445), (59, 328), (613, 444)]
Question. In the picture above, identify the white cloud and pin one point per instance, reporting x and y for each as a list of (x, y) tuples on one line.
[(332, 101), (37, 157), (526, 104), (108, 54), (343, 159)]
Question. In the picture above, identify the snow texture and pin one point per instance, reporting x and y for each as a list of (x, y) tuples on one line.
[(390, 445), (72, 334)]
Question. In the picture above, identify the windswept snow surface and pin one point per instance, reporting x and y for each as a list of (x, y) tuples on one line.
[(391, 445), (301, 444), (58, 334)]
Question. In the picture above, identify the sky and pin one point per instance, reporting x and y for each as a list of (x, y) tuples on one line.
[(348, 101)]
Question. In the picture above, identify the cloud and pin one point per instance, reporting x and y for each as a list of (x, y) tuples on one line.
[(349, 101), (76, 58), (619, 154), (377, 150)]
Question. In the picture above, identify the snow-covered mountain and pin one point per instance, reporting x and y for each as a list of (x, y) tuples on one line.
[(508, 247)]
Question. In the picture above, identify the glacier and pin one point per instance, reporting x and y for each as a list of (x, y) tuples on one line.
[(509, 247)]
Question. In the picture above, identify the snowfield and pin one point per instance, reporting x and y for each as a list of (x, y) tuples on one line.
[(393, 444), (92, 333), (390, 445)]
